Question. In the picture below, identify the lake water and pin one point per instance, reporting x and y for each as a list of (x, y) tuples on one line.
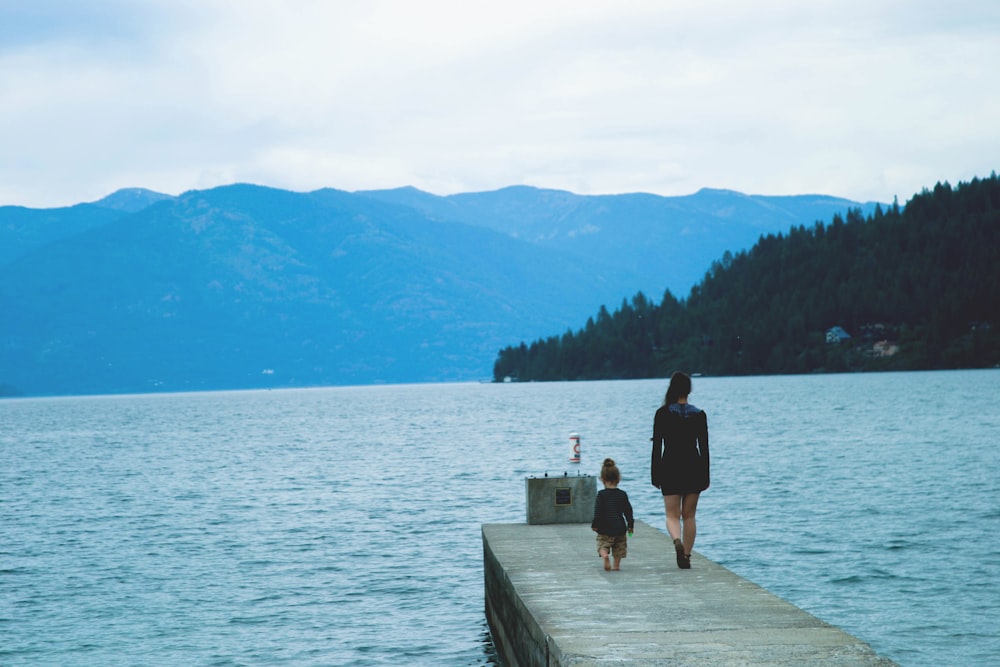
[(341, 526)]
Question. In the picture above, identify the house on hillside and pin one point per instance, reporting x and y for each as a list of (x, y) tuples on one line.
[(884, 348), (836, 335)]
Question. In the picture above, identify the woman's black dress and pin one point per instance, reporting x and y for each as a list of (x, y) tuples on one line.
[(680, 450)]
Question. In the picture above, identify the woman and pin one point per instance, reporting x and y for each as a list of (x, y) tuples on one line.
[(679, 466)]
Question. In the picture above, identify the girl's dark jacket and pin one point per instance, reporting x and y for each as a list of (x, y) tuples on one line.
[(680, 450), (612, 513)]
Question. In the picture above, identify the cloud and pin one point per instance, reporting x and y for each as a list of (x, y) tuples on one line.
[(860, 99)]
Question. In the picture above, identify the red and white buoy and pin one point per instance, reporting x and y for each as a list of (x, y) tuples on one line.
[(574, 448)]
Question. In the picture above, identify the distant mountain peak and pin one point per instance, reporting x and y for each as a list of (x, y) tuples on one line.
[(131, 200), (721, 191), (408, 189)]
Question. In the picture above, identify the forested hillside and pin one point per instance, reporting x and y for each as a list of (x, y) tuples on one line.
[(910, 288)]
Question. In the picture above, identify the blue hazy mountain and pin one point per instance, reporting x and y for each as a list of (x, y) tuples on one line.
[(248, 286), (25, 229), (670, 241), (131, 200)]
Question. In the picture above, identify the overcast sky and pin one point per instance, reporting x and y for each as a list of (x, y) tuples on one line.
[(865, 99)]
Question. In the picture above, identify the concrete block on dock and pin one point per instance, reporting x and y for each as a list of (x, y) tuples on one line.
[(566, 499)]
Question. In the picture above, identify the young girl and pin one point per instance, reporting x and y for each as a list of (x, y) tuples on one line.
[(612, 517)]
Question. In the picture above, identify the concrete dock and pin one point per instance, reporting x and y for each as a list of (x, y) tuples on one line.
[(550, 602)]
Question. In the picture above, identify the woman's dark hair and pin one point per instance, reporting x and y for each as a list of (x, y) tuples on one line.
[(680, 387), (610, 472)]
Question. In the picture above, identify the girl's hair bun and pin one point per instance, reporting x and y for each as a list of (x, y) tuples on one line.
[(610, 472)]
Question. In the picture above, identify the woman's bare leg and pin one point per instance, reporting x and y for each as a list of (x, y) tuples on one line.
[(672, 506), (688, 507)]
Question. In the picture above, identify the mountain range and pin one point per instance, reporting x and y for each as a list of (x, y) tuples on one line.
[(245, 286)]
